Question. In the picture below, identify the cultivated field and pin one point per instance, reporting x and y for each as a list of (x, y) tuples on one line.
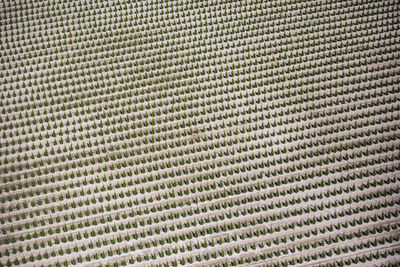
[(199, 133)]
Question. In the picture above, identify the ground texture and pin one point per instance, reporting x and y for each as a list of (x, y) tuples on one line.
[(199, 133)]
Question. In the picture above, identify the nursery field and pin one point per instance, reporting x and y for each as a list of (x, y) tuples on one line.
[(199, 133)]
